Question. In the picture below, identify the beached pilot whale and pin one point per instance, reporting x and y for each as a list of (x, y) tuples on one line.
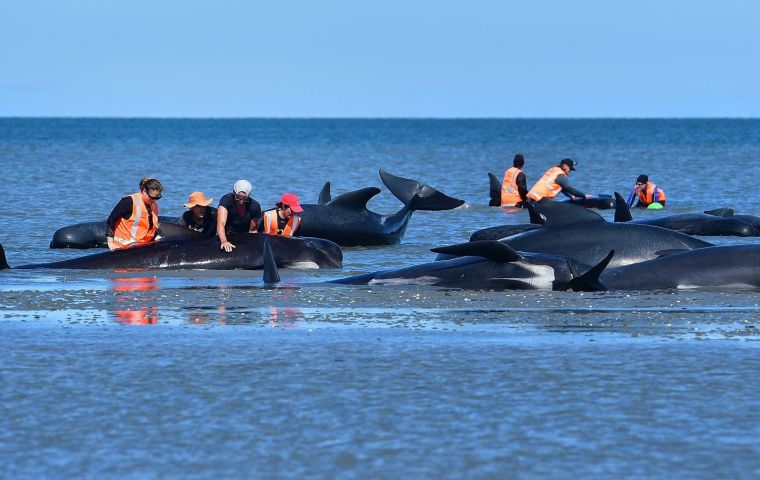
[(732, 266), (204, 253), (489, 265), (584, 235), (717, 222), (600, 202), (346, 220), (93, 234)]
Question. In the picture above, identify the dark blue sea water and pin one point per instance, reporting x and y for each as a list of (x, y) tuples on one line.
[(228, 379)]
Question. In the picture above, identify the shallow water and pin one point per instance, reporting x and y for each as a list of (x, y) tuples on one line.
[(229, 378)]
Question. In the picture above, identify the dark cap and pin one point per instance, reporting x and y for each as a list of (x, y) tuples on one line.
[(570, 163), (642, 179), (519, 160)]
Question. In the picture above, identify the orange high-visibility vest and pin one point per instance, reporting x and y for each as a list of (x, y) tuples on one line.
[(271, 227), (546, 186), (652, 193), (509, 194), (135, 230)]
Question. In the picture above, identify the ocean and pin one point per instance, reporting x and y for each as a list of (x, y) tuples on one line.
[(211, 374)]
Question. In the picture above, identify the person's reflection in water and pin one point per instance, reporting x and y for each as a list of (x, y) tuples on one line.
[(125, 303), (284, 317)]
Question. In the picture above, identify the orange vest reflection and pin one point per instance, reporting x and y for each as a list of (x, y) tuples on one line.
[(145, 315)]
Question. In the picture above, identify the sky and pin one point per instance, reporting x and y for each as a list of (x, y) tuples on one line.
[(366, 58)]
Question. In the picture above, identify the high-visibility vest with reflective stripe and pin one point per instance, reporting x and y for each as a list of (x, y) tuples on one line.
[(509, 193), (652, 193), (546, 186), (271, 227), (136, 229)]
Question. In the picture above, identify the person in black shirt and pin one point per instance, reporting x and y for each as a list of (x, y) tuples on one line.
[(237, 213), (200, 216)]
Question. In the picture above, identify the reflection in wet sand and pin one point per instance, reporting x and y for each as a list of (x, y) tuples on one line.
[(128, 310)]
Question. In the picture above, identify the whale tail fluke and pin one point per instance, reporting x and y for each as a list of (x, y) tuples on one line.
[(3, 261), (494, 190), (622, 212), (589, 281), (271, 274), (418, 196)]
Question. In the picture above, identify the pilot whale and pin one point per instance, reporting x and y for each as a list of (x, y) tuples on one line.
[(486, 265), (346, 220), (717, 222), (730, 266), (204, 253), (584, 235), (600, 202), (93, 234)]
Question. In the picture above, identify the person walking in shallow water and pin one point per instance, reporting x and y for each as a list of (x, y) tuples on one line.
[(237, 213), (514, 189), (134, 220), (554, 181)]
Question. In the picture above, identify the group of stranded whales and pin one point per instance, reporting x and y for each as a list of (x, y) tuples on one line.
[(344, 219), (566, 247)]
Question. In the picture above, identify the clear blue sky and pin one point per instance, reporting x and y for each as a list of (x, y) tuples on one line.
[(324, 58)]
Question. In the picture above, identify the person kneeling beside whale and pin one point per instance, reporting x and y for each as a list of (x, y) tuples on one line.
[(134, 220), (282, 220)]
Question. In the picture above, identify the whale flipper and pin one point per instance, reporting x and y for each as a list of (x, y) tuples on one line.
[(589, 281), (495, 190), (324, 195), (536, 217), (622, 212), (490, 249), (418, 196), (356, 200), (271, 274)]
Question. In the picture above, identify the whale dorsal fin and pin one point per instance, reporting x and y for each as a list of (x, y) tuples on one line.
[(622, 212), (356, 200), (562, 214), (494, 190), (490, 249), (271, 274), (324, 195), (721, 212)]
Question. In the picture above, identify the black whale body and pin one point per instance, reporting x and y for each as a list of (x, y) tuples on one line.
[(492, 265), (93, 234), (346, 220), (583, 234), (731, 266), (205, 253), (719, 222)]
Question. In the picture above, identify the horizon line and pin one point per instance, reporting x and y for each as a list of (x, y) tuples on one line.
[(110, 117)]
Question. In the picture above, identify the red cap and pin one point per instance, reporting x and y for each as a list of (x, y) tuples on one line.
[(291, 201)]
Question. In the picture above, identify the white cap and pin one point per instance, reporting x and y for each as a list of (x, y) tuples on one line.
[(242, 186)]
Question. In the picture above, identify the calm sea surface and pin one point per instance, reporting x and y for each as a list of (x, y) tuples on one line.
[(235, 380)]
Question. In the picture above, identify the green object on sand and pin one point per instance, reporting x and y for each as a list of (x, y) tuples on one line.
[(655, 206)]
